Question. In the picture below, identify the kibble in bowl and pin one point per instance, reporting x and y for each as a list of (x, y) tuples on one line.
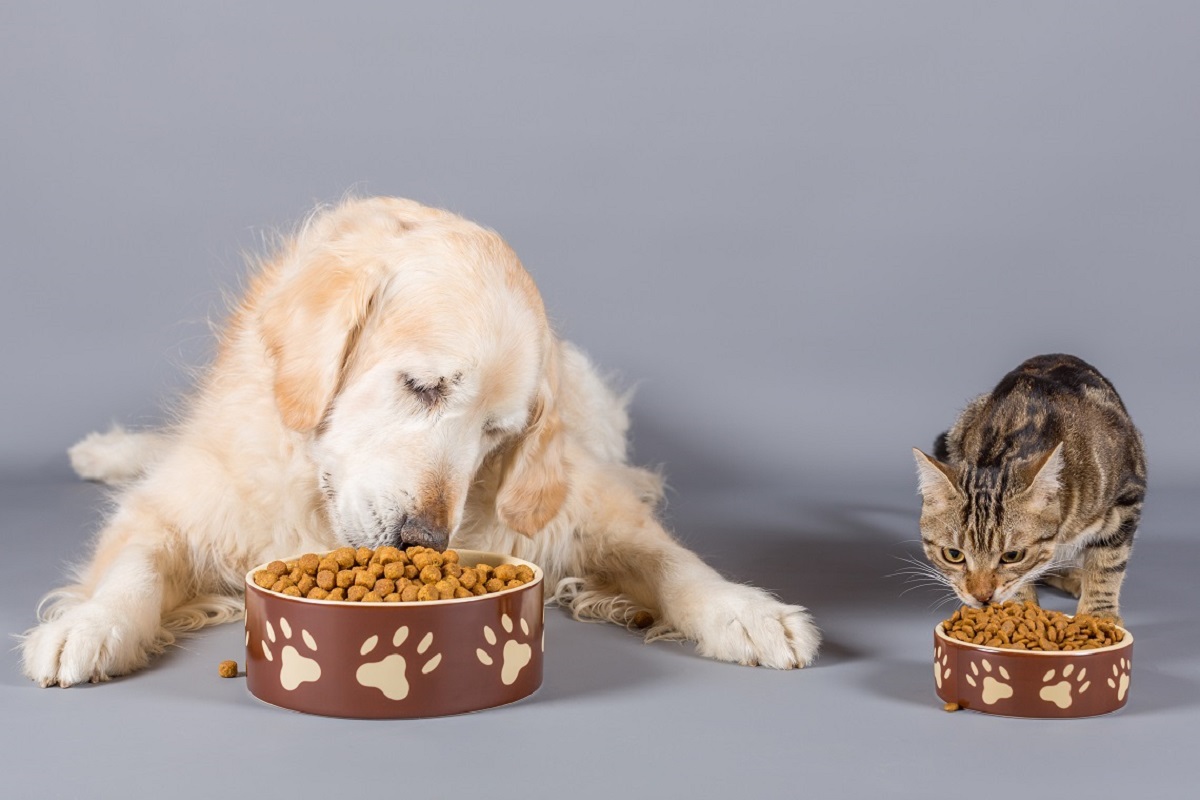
[(392, 634), (1016, 659)]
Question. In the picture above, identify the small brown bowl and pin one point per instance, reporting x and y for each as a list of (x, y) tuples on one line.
[(1031, 683), (396, 660)]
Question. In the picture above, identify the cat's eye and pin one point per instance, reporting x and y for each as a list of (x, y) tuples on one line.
[(953, 556), (1012, 556)]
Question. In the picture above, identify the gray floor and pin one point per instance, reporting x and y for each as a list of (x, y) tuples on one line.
[(616, 717)]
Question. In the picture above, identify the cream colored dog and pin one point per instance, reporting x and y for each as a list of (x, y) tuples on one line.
[(389, 377)]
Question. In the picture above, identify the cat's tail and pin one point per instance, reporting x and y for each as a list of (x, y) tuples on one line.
[(941, 449)]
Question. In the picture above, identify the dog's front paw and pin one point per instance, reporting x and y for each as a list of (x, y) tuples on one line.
[(748, 626), (86, 643)]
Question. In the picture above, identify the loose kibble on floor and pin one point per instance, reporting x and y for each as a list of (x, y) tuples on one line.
[(1026, 626), (951, 707), (227, 669), (388, 575)]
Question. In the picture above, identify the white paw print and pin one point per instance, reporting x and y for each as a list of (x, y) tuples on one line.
[(940, 671), (294, 668), (1120, 678), (390, 675), (1060, 693), (993, 689), (514, 656)]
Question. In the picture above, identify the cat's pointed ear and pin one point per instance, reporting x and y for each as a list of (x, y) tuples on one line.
[(936, 480), (1044, 478)]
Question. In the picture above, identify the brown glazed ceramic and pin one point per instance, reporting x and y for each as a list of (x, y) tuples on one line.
[(396, 660), (1022, 683)]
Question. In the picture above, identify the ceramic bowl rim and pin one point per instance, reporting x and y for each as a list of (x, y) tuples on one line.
[(538, 577)]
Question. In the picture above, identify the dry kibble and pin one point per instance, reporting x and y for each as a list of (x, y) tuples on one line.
[(386, 555), (642, 619), (227, 669), (391, 575), (1024, 626), (951, 707)]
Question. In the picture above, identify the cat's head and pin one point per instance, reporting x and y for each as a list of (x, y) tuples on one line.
[(988, 531)]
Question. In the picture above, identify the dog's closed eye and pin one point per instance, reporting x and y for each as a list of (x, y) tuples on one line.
[(429, 394)]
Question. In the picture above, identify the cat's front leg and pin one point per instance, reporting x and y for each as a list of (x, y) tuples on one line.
[(1027, 593), (1104, 561)]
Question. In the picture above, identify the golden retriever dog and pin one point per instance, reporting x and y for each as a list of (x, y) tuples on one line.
[(388, 378)]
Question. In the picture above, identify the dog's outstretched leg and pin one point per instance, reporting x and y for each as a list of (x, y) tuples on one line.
[(111, 622), (629, 562)]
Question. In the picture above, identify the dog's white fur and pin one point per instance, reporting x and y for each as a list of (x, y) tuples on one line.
[(389, 375)]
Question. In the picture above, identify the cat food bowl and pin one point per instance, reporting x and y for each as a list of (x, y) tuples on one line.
[(396, 660), (1022, 683)]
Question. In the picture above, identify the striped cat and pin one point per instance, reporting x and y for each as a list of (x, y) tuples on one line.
[(1041, 479)]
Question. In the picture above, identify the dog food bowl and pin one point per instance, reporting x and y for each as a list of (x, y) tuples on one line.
[(396, 660), (1024, 683)]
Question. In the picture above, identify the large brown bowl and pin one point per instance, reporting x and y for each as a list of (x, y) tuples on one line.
[(1024, 683), (396, 660)]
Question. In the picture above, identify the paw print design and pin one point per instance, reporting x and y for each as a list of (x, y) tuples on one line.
[(1060, 693), (1120, 678), (993, 690), (940, 671), (294, 668), (390, 675), (515, 654)]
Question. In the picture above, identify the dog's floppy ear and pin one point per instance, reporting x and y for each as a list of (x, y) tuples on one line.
[(535, 477), (309, 325)]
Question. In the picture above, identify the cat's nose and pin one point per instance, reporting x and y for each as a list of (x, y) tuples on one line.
[(983, 596)]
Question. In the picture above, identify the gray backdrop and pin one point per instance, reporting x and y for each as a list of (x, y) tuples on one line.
[(807, 233)]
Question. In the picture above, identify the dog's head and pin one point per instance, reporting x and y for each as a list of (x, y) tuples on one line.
[(409, 346)]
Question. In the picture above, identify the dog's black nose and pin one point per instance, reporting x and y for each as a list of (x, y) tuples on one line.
[(420, 531)]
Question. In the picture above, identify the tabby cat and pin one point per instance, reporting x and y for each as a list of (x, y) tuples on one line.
[(1041, 479)]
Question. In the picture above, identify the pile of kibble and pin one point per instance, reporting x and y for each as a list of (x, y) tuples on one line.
[(388, 575), (1027, 626)]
